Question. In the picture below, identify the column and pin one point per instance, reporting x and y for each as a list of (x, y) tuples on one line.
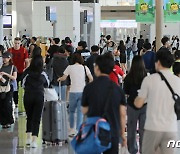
[(1, 29), (159, 22)]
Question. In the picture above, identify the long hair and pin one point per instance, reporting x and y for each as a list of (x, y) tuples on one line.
[(134, 39), (122, 46), (77, 58), (36, 52), (36, 65), (128, 39), (138, 71)]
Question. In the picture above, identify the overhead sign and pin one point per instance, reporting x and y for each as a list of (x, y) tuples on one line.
[(145, 11), (172, 10), (118, 24)]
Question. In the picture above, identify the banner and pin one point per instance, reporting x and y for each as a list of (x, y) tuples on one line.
[(145, 11), (172, 10)]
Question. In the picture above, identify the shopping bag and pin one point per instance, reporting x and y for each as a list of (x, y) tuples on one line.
[(50, 94), (21, 99)]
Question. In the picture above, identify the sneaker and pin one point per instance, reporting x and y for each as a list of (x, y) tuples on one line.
[(34, 145), (28, 142), (72, 133)]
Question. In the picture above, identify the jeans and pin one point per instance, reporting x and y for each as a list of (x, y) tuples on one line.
[(129, 53), (75, 103), (63, 92)]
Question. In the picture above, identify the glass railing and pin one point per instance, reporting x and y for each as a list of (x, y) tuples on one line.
[(117, 2)]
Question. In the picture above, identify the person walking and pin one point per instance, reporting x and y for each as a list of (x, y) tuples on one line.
[(59, 65), (140, 44), (132, 84), (149, 58), (77, 73), (34, 82), (21, 61), (128, 48), (8, 72), (122, 50), (161, 119), (91, 60), (102, 43), (32, 46), (134, 46), (94, 99)]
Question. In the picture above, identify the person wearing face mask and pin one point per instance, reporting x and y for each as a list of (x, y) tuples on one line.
[(8, 73), (1, 52)]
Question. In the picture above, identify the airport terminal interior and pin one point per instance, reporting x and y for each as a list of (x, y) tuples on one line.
[(89, 77)]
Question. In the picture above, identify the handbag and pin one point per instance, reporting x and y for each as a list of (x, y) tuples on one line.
[(94, 136), (5, 89), (50, 94), (86, 76), (175, 96)]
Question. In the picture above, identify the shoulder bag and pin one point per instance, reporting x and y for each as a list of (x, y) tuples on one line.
[(175, 96), (6, 89)]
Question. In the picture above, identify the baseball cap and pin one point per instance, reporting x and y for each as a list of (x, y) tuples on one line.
[(7, 55)]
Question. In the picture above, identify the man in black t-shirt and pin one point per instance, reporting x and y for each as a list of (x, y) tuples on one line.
[(140, 44), (91, 60), (94, 99)]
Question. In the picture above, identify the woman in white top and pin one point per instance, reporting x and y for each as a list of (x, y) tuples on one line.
[(77, 73)]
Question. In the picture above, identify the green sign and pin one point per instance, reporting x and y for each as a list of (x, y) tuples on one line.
[(172, 10), (145, 11)]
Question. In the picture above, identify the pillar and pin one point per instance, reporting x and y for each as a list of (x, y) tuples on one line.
[(159, 22), (1, 29)]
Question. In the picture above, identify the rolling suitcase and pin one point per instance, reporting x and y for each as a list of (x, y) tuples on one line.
[(54, 121)]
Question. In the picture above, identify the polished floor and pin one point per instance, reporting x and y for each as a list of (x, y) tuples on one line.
[(12, 141)]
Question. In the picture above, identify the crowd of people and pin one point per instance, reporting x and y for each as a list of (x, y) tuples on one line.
[(85, 76)]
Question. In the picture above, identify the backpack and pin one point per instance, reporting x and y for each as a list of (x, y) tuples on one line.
[(94, 135)]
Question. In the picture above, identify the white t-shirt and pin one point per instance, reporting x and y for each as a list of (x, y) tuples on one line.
[(77, 76), (160, 114)]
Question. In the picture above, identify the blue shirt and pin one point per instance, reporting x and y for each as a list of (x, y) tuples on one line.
[(149, 60)]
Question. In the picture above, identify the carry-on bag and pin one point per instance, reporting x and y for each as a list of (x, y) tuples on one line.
[(54, 121), (20, 99)]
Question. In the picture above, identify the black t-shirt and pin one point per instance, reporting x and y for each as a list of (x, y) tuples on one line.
[(90, 63), (131, 89), (94, 97), (52, 50)]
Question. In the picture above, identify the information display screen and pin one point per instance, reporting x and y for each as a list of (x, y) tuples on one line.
[(7, 21)]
